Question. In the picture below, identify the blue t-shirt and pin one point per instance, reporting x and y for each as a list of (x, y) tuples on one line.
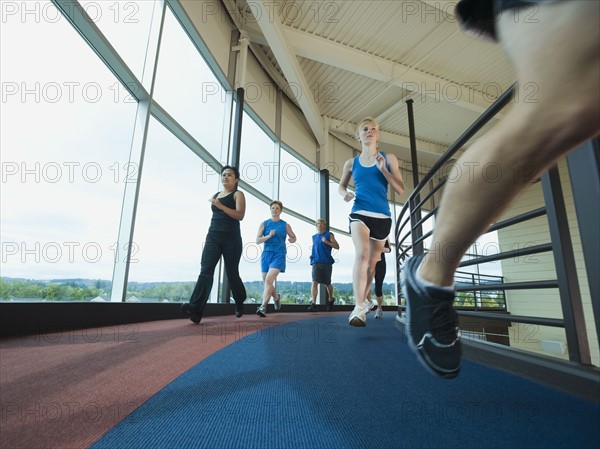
[(277, 242), (371, 189), (321, 252)]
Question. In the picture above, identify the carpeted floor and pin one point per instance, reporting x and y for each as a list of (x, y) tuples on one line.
[(65, 390), (320, 383)]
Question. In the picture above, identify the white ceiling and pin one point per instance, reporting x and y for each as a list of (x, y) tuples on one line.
[(366, 58)]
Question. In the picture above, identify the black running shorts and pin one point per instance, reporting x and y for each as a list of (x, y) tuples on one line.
[(321, 273), (379, 228), (479, 16)]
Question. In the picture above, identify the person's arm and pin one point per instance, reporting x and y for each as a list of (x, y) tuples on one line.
[(332, 241), (346, 175), (260, 238), (393, 175), (240, 206), (290, 233)]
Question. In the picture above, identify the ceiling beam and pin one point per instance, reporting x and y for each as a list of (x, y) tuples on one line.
[(418, 83), (356, 61), (338, 126), (277, 40)]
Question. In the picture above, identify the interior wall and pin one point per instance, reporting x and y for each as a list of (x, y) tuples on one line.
[(260, 92), (296, 133)]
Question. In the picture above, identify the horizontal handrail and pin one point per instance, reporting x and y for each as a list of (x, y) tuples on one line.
[(535, 213), (433, 191), (553, 322), (525, 285), (481, 121), (535, 249)]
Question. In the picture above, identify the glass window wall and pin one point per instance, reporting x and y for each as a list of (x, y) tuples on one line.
[(172, 219), (126, 25), (188, 90), (66, 136), (299, 183), (259, 158)]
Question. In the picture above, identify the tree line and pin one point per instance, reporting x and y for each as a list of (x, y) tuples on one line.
[(88, 289)]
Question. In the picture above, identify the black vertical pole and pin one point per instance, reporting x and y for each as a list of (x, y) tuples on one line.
[(235, 162), (564, 261), (584, 171), (237, 130), (324, 214), (415, 215)]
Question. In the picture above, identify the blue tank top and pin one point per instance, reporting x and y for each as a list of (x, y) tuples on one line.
[(321, 252), (277, 242), (371, 188)]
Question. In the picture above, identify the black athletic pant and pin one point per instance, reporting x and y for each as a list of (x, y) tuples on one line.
[(380, 269), (228, 245)]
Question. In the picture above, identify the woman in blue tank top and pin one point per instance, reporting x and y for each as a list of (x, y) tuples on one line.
[(370, 218), (272, 233)]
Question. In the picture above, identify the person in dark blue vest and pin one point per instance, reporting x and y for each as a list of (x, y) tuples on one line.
[(370, 218), (272, 233), (223, 239), (322, 263)]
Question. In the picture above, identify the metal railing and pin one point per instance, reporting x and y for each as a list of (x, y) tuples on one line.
[(409, 224), (480, 291)]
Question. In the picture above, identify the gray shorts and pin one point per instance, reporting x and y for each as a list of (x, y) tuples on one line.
[(321, 273), (479, 16)]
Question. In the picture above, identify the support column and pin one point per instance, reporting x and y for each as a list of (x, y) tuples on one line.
[(234, 155), (415, 215), (242, 49), (584, 170), (125, 242), (564, 261), (324, 214)]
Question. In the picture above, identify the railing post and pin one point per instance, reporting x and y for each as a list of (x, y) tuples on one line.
[(584, 170), (415, 215), (564, 261)]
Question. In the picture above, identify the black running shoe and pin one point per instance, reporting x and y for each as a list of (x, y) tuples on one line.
[(431, 324), (330, 304), (239, 309), (312, 307), (190, 311)]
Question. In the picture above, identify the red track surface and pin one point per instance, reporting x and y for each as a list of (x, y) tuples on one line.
[(66, 390)]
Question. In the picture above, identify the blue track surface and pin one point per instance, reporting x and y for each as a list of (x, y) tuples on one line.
[(320, 383)]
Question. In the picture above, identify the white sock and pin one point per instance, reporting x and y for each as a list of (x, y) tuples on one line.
[(426, 283)]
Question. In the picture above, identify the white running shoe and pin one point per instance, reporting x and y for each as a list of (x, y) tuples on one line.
[(358, 317), (261, 311)]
